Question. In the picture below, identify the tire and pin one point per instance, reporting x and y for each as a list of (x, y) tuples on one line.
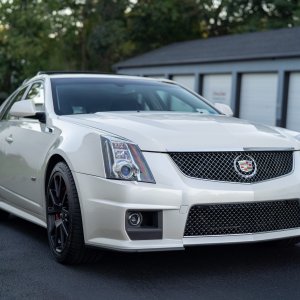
[(64, 222), (3, 215)]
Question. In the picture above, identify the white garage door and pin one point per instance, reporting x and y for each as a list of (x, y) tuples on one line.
[(293, 113), (259, 97), (185, 80), (217, 88)]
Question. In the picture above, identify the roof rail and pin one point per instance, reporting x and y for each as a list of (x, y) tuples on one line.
[(68, 72)]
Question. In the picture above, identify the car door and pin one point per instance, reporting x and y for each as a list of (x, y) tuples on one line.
[(3, 108), (27, 142), (4, 166)]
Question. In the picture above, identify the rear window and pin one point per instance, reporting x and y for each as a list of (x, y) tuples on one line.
[(92, 95)]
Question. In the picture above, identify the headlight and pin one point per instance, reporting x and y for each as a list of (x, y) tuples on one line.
[(124, 160)]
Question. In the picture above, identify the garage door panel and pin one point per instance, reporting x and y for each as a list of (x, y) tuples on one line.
[(217, 88), (259, 97), (185, 80), (293, 112)]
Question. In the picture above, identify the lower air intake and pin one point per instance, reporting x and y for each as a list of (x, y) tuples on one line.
[(242, 218)]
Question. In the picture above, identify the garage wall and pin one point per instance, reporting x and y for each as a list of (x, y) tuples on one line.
[(258, 98), (157, 76), (282, 67), (293, 111), (185, 80), (217, 88)]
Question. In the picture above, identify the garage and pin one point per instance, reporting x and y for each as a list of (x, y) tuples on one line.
[(217, 88), (293, 119), (156, 76), (259, 97), (257, 73), (185, 80)]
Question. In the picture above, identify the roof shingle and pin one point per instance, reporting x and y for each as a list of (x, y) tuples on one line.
[(278, 43)]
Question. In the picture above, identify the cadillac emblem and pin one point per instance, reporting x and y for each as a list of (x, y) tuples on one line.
[(245, 166)]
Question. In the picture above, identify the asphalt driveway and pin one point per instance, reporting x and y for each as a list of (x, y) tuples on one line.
[(27, 271)]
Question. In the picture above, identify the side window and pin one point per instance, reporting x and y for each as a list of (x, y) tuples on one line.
[(3, 105), (36, 94), (18, 96)]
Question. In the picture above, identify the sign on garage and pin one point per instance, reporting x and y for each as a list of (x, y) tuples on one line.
[(217, 88)]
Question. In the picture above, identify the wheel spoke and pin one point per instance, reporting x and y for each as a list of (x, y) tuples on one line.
[(51, 226), (64, 197), (53, 198), (57, 184), (62, 237), (65, 211), (56, 245), (64, 229)]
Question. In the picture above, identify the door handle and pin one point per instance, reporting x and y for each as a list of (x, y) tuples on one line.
[(9, 139)]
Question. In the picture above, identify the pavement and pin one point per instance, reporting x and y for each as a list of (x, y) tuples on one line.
[(27, 271)]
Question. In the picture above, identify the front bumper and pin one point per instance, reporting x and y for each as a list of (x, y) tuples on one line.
[(104, 204)]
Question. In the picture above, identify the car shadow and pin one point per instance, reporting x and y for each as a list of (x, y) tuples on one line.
[(29, 230), (204, 260)]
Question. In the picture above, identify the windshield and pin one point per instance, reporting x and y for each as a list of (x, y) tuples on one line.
[(92, 95)]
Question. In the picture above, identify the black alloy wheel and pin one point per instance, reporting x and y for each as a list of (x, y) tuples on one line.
[(64, 222), (58, 213)]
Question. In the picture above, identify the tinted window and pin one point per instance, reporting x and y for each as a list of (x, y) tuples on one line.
[(3, 105), (91, 95), (36, 94), (16, 98)]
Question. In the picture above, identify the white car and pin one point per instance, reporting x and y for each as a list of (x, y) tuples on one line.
[(136, 164)]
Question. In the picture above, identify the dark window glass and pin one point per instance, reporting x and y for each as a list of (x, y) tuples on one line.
[(3, 105), (16, 98), (36, 94), (91, 95)]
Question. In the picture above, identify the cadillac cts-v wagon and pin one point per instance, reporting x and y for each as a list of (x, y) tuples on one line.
[(136, 164)]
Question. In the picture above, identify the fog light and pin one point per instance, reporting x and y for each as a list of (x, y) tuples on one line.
[(135, 219)]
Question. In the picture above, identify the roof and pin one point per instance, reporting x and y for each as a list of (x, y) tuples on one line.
[(79, 74), (280, 43), (67, 72)]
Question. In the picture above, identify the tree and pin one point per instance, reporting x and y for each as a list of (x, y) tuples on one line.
[(103, 34), (65, 35), (255, 15), (154, 23), (25, 40), (94, 34)]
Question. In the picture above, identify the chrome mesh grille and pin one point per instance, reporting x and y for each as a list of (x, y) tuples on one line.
[(242, 218), (220, 166)]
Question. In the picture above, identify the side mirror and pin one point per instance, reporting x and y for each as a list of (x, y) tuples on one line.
[(24, 108), (224, 108)]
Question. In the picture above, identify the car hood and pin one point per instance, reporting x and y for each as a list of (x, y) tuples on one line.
[(154, 131)]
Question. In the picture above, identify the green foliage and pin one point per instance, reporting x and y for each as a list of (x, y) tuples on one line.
[(156, 23), (94, 34)]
